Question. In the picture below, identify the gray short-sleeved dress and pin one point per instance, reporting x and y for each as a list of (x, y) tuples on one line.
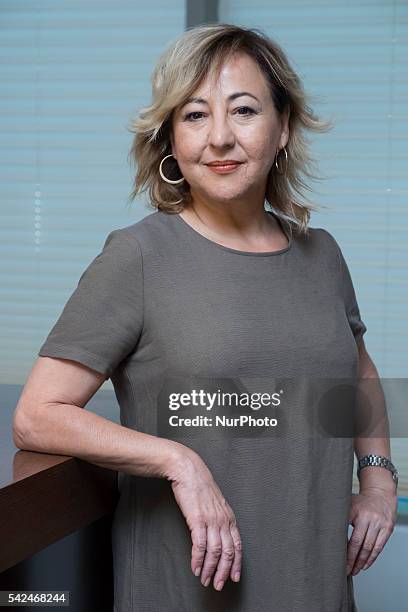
[(162, 300)]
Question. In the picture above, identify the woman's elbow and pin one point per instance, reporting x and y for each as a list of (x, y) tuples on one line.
[(30, 423), (22, 428)]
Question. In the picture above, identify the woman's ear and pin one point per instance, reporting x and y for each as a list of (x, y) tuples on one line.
[(172, 143), (171, 130), (285, 127)]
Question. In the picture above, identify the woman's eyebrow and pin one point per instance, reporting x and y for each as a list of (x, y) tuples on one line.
[(231, 97)]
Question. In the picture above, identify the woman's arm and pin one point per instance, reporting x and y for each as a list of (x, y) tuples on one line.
[(373, 511), (50, 418), (373, 476)]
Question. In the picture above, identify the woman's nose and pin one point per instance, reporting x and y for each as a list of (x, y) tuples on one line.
[(221, 133)]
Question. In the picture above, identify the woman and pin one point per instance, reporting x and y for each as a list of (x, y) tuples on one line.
[(213, 288)]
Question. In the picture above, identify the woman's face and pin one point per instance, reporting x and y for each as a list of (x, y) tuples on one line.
[(224, 126)]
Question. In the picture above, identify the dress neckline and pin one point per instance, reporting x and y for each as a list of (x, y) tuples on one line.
[(237, 251)]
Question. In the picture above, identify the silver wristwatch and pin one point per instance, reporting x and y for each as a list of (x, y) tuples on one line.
[(378, 460)]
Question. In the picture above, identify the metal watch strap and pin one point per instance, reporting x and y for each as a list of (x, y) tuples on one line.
[(378, 461)]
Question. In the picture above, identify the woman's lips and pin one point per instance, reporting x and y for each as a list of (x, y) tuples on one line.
[(224, 169)]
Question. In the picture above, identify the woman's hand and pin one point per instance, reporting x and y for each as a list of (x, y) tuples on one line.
[(216, 540), (373, 514)]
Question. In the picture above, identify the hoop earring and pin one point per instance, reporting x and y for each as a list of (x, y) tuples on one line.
[(165, 178), (286, 161)]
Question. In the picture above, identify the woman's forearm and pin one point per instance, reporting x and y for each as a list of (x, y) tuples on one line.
[(371, 403), (65, 429)]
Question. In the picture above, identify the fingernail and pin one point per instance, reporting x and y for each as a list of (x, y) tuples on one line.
[(219, 585), (207, 582), (365, 567), (348, 569), (236, 576), (197, 571)]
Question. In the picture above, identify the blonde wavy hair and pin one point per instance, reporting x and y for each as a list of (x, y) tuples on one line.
[(177, 74)]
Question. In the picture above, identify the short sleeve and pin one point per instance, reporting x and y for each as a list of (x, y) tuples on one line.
[(350, 301), (102, 320)]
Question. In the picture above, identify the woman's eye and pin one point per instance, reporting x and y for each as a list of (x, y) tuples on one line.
[(189, 116), (251, 111)]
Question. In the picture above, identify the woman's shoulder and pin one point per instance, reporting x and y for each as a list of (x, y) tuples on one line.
[(151, 227), (326, 240), (319, 237)]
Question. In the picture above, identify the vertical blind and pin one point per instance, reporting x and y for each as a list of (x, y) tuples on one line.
[(73, 73), (352, 55)]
